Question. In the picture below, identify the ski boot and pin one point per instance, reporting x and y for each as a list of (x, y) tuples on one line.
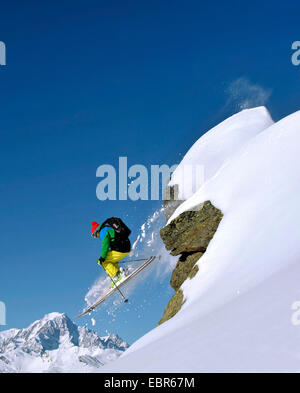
[(117, 278), (125, 271)]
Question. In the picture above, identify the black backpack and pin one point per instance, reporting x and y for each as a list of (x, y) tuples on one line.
[(121, 242)]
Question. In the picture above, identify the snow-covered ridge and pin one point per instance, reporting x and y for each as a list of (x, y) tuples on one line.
[(238, 314), (257, 192), (218, 145), (55, 344)]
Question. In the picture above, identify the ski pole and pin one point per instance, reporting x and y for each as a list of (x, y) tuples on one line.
[(125, 300), (134, 260)]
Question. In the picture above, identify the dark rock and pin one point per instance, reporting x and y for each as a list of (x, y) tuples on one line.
[(193, 272), (192, 230), (173, 306), (183, 268), (189, 235)]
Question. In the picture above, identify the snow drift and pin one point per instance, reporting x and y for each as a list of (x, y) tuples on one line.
[(239, 313), (216, 146)]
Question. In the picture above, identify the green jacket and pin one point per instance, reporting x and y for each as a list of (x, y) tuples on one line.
[(107, 235)]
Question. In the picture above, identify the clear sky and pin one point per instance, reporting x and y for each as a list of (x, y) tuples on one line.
[(87, 82)]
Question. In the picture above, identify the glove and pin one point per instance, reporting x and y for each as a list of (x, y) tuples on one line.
[(100, 261)]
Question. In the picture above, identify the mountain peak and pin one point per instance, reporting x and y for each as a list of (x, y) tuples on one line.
[(55, 343), (54, 315)]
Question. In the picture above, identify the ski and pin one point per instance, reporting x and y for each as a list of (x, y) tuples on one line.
[(112, 290)]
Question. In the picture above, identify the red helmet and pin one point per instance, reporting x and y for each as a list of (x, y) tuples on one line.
[(95, 228)]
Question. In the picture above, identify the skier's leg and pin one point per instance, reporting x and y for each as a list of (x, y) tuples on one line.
[(111, 262), (110, 268)]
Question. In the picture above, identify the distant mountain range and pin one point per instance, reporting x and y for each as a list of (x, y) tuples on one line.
[(55, 344)]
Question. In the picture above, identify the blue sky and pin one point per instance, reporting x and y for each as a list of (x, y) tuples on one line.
[(88, 82)]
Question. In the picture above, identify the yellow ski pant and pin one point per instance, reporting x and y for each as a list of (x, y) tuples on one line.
[(111, 262)]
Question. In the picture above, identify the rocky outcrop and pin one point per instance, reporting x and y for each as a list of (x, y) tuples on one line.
[(192, 230), (188, 235), (173, 306), (183, 268)]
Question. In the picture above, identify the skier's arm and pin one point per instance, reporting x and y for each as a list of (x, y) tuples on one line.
[(105, 245), (106, 237)]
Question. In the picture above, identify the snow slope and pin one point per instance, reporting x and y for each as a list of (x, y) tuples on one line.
[(242, 309), (56, 344), (216, 146)]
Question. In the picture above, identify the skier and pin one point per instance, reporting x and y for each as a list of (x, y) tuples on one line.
[(114, 235)]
